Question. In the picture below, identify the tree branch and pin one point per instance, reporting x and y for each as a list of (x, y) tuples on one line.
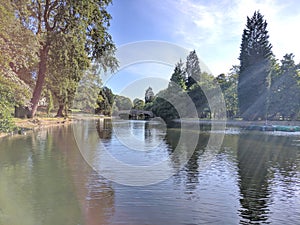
[(39, 17), (46, 16)]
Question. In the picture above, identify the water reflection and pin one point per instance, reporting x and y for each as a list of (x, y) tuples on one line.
[(94, 193), (260, 159), (191, 163), (26, 197), (104, 128), (253, 172), (253, 179)]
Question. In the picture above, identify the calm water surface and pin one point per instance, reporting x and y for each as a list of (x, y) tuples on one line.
[(253, 179)]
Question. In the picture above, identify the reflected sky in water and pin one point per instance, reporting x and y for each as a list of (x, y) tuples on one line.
[(253, 179)]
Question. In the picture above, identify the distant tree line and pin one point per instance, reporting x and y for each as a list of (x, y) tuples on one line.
[(109, 104), (54, 49), (259, 88), (185, 95)]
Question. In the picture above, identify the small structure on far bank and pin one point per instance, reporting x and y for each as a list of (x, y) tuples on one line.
[(135, 114)]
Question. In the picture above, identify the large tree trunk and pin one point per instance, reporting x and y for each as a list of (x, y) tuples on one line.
[(60, 111), (40, 79)]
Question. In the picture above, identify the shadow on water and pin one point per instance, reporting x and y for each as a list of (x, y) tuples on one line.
[(260, 157)]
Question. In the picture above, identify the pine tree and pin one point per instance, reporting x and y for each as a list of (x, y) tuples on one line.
[(178, 76), (255, 67), (193, 70)]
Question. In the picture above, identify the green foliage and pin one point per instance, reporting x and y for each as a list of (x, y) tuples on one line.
[(228, 84), (12, 93), (179, 76), (105, 102), (192, 69), (184, 95), (88, 90), (163, 108), (255, 65), (138, 104), (199, 99), (66, 68), (123, 103), (149, 105), (285, 86), (6, 123), (18, 46), (71, 34), (50, 105)]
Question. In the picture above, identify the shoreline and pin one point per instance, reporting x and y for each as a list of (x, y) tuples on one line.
[(39, 123), (242, 123)]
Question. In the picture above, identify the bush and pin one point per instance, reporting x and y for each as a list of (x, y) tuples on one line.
[(6, 122)]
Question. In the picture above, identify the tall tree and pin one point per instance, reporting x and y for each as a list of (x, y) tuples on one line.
[(192, 68), (66, 66), (18, 48), (178, 76), (255, 65), (228, 85), (49, 20), (105, 101), (285, 86), (88, 90)]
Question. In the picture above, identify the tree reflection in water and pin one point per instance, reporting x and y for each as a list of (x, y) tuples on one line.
[(94, 193), (104, 128), (191, 166), (258, 157)]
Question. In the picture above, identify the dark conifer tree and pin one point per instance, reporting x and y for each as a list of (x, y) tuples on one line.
[(255, 64), (178, 76), (193, 70)]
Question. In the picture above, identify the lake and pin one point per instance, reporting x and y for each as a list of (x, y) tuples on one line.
[(141, 172)]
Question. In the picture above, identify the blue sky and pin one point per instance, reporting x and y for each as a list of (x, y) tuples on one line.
[(213, 28)]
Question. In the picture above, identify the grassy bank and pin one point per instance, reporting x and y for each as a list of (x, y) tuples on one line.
[(37, 123)]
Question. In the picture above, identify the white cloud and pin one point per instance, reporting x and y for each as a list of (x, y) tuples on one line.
[(214, 28)]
